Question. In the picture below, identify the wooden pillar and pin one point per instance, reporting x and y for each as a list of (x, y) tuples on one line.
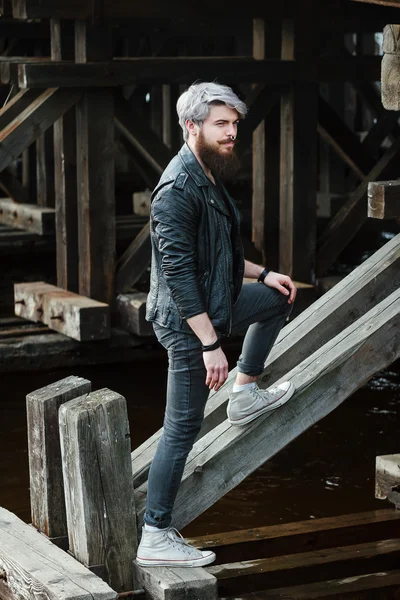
[(95, 447), (391, 67), (62, 47), (45, 170), (265, 205), (170, 128), (29, 173), (95, 161), (298, 156)]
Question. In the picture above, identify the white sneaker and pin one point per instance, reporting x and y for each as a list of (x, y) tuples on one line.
[(248, 404), (167, 548)]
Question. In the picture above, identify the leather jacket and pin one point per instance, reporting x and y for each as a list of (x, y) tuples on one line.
[(197, 254)]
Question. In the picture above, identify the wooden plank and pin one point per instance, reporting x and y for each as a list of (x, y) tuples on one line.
[(306, 567), (45, 471), (27, 216), (384, 199), (349, 219), (132, 313), (28, 299), (323, 381), (34, 120), (382, 585), (301, 536), (95, 446), (394, 3), (17, 105), (351, 298), (387, 474), (33, 565), (163, 583), (77, 317), (161, 70), (342, 140), (134, 261)]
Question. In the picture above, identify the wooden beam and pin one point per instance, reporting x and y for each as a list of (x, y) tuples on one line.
[(264, 573), (13, 187), (33, 121), (45, 169), (132, 314), (27, 216), (17, 105), (394, 3), (391, 68), (174, 70), (134, 261), (95, 447), (31, 561), (177, 583), (44, 452), (342, 140), (350, 218), (350, 299), (323, 382), (387, 475), (384, 199)]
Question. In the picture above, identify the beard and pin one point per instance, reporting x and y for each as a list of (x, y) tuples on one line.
[(223, 166)]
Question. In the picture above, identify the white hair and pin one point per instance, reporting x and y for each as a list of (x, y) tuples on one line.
[(195, 103)]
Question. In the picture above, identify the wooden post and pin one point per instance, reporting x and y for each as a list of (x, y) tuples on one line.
[(29, 173), (387, 478), (95, 446), (95, 160), (62, 48), (171, 131), (45, 471), (265, 169), (390, 77), (298, 206), (45, 169), (384, 199)]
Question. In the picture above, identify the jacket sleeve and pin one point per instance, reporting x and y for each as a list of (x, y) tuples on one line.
[(175, 225)]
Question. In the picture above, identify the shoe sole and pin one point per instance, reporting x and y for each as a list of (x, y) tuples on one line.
[(282, 400), (201, 562)]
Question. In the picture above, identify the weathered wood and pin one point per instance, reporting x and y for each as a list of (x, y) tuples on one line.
[(27, 216), (132, 312), (384, 199), (298, 160), (28, 299), (301, 536), (77, 317), (45, 169), (357, 559), (36, 567), (141, 203), (13, 187), (29, 173), (95, 446), (163, 583), (350, 218), (45, 470), (134, 261), (351, 298), (96, 195), (323, 381), (395, 3), (174, 70), (17, 105), (33, 121), (171, 131), (387, 474)]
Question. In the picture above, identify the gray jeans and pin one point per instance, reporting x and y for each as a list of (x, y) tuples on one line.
[(263, 311)]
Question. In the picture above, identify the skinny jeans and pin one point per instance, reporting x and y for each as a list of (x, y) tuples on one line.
[(259, 309)]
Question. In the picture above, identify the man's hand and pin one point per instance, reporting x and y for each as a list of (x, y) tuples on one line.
[(283, 283), (217, 368)]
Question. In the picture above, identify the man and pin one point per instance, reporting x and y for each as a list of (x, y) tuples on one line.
[(196, 299)]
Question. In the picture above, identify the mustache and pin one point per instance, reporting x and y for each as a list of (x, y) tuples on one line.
[(228, 142)]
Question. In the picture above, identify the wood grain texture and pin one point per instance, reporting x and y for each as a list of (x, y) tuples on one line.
[(29, 217), (220, 460), (384, 199), (163, 583), (35, 568), (132, 313), (45, 471), (351, 298), (28, 299), (95, 445)]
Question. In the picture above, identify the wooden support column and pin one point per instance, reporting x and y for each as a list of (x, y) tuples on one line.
[(265, 169), (171, 131), (45, 170), (95, 173), (45, 471), (95, 446), (29, 173), (65, 172), (391, 67), (298, 156)]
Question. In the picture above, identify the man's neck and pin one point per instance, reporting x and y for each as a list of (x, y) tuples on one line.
[(203, 166)]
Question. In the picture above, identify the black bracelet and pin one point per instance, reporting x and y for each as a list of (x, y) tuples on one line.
[(263, 276), (214, 346)]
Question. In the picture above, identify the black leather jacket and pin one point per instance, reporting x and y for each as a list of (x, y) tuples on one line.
[(197, 254)]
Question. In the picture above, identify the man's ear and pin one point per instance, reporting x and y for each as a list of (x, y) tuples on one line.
[(191, 127)]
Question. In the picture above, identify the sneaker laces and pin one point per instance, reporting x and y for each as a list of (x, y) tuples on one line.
[(258, 393), (178, 541)]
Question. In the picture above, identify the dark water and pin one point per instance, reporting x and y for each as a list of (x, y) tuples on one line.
[(327, 471)]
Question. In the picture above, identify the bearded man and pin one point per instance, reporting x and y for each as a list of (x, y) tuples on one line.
[(197, 298)]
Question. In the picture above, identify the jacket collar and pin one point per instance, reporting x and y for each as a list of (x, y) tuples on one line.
[(193, 166)]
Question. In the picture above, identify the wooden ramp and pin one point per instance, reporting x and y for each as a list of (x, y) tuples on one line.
[(329, 351)]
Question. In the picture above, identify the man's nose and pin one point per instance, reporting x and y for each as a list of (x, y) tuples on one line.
[(231, 131)]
